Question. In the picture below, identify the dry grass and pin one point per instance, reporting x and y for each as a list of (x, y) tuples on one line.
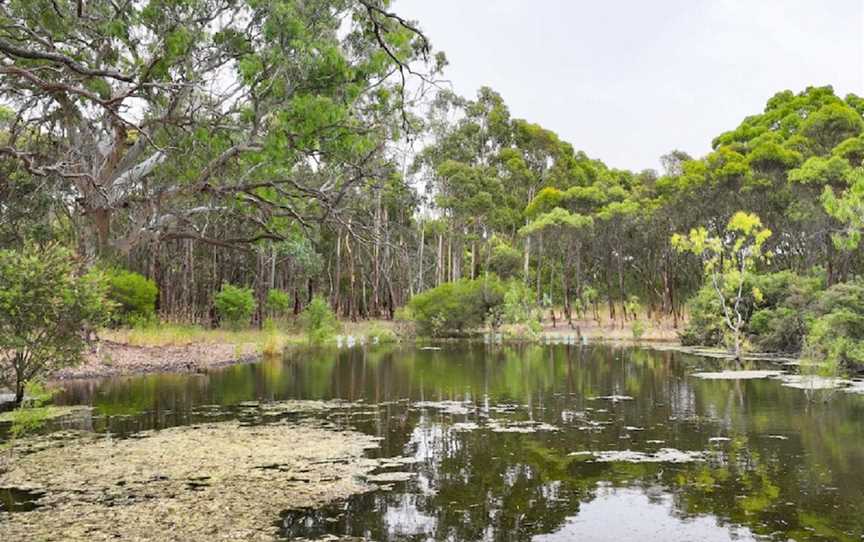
[(269, 341), (606, 329)]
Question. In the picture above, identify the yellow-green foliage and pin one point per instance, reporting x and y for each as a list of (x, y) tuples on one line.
[(318, 321), (377, 333), (134, 294)]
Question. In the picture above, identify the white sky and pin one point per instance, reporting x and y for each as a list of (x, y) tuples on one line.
[(627, 81)]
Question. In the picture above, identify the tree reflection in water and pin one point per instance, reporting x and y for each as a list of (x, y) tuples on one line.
[(776, 467)]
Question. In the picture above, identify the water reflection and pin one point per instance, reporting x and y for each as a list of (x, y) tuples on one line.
[(775, 466)]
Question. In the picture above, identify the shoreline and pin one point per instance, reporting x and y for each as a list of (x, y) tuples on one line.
[(120, 358), (114, 359)]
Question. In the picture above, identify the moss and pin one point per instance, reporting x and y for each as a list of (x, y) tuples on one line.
[(219, 481)]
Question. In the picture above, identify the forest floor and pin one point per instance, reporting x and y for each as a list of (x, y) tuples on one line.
[(663, 330)]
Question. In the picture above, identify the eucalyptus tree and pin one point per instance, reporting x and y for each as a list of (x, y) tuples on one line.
[(727, 261), (158, 114)]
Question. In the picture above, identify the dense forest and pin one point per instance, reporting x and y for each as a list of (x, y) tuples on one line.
[(313, 149)]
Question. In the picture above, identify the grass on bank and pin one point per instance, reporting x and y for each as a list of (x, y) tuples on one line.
[(271, 340)]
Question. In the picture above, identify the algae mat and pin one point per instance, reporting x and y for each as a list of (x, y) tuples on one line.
[(217, 481)]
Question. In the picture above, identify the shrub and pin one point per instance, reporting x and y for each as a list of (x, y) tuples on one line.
[(835, 334), (518, 313), (319, 321), (381, 335), (775, 311), (46, 306), (235, 305), (457, 307), (134, 294), (278, 303), (705, 326), (638, 329)]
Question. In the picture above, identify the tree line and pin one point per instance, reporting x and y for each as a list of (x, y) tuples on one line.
[(307, 147)]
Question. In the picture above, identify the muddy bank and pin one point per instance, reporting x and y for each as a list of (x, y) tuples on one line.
[(117, 359), (217, 481)]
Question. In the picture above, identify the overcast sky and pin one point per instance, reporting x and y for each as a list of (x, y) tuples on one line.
[(627, 81)]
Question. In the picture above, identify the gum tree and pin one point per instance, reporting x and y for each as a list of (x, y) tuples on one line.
[(727, 260)]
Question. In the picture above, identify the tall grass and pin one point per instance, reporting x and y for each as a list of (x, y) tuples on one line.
[(268, 341)]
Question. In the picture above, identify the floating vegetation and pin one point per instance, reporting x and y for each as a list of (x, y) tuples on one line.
[(217, 481), (457, 408), (390, 477), (505, 426), (520, 427), (737, 375), (663, 455), (814, 382)]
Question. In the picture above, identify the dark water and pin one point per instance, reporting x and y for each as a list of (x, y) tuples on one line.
[(790, 469)]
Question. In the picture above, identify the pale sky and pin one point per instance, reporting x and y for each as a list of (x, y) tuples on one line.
[(627, 81)]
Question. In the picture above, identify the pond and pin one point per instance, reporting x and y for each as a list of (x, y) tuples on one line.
[(544, 443)]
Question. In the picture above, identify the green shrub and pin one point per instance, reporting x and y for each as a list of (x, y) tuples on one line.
[(705, 326), (455, 308), (835, 333), (775, 317), (638, 329), (134, 294), (518, 314), (319, 321), (235, 305), (278, 303), (46, 305), (381, 335)]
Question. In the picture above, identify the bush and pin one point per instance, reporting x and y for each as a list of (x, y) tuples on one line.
[(46, 308), (638, 329), (319, 321), (134, 294), (235, 305), (278, 303), (835, 334), (378, 334), (455, 308), (518, 313), (705, 326), (774, 322)]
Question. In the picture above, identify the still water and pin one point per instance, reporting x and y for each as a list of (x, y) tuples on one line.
[(501, 440)]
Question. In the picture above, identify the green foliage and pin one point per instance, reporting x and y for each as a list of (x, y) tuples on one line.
[(505, 260), (46, 306), (520, 307), (835, 334), (235, 305), (638, 329), (455, 308), (278, 303), (32, 415), (775, 307), (134, 294), (319, 321), (727, 261), (705, 327), (378, 334)]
